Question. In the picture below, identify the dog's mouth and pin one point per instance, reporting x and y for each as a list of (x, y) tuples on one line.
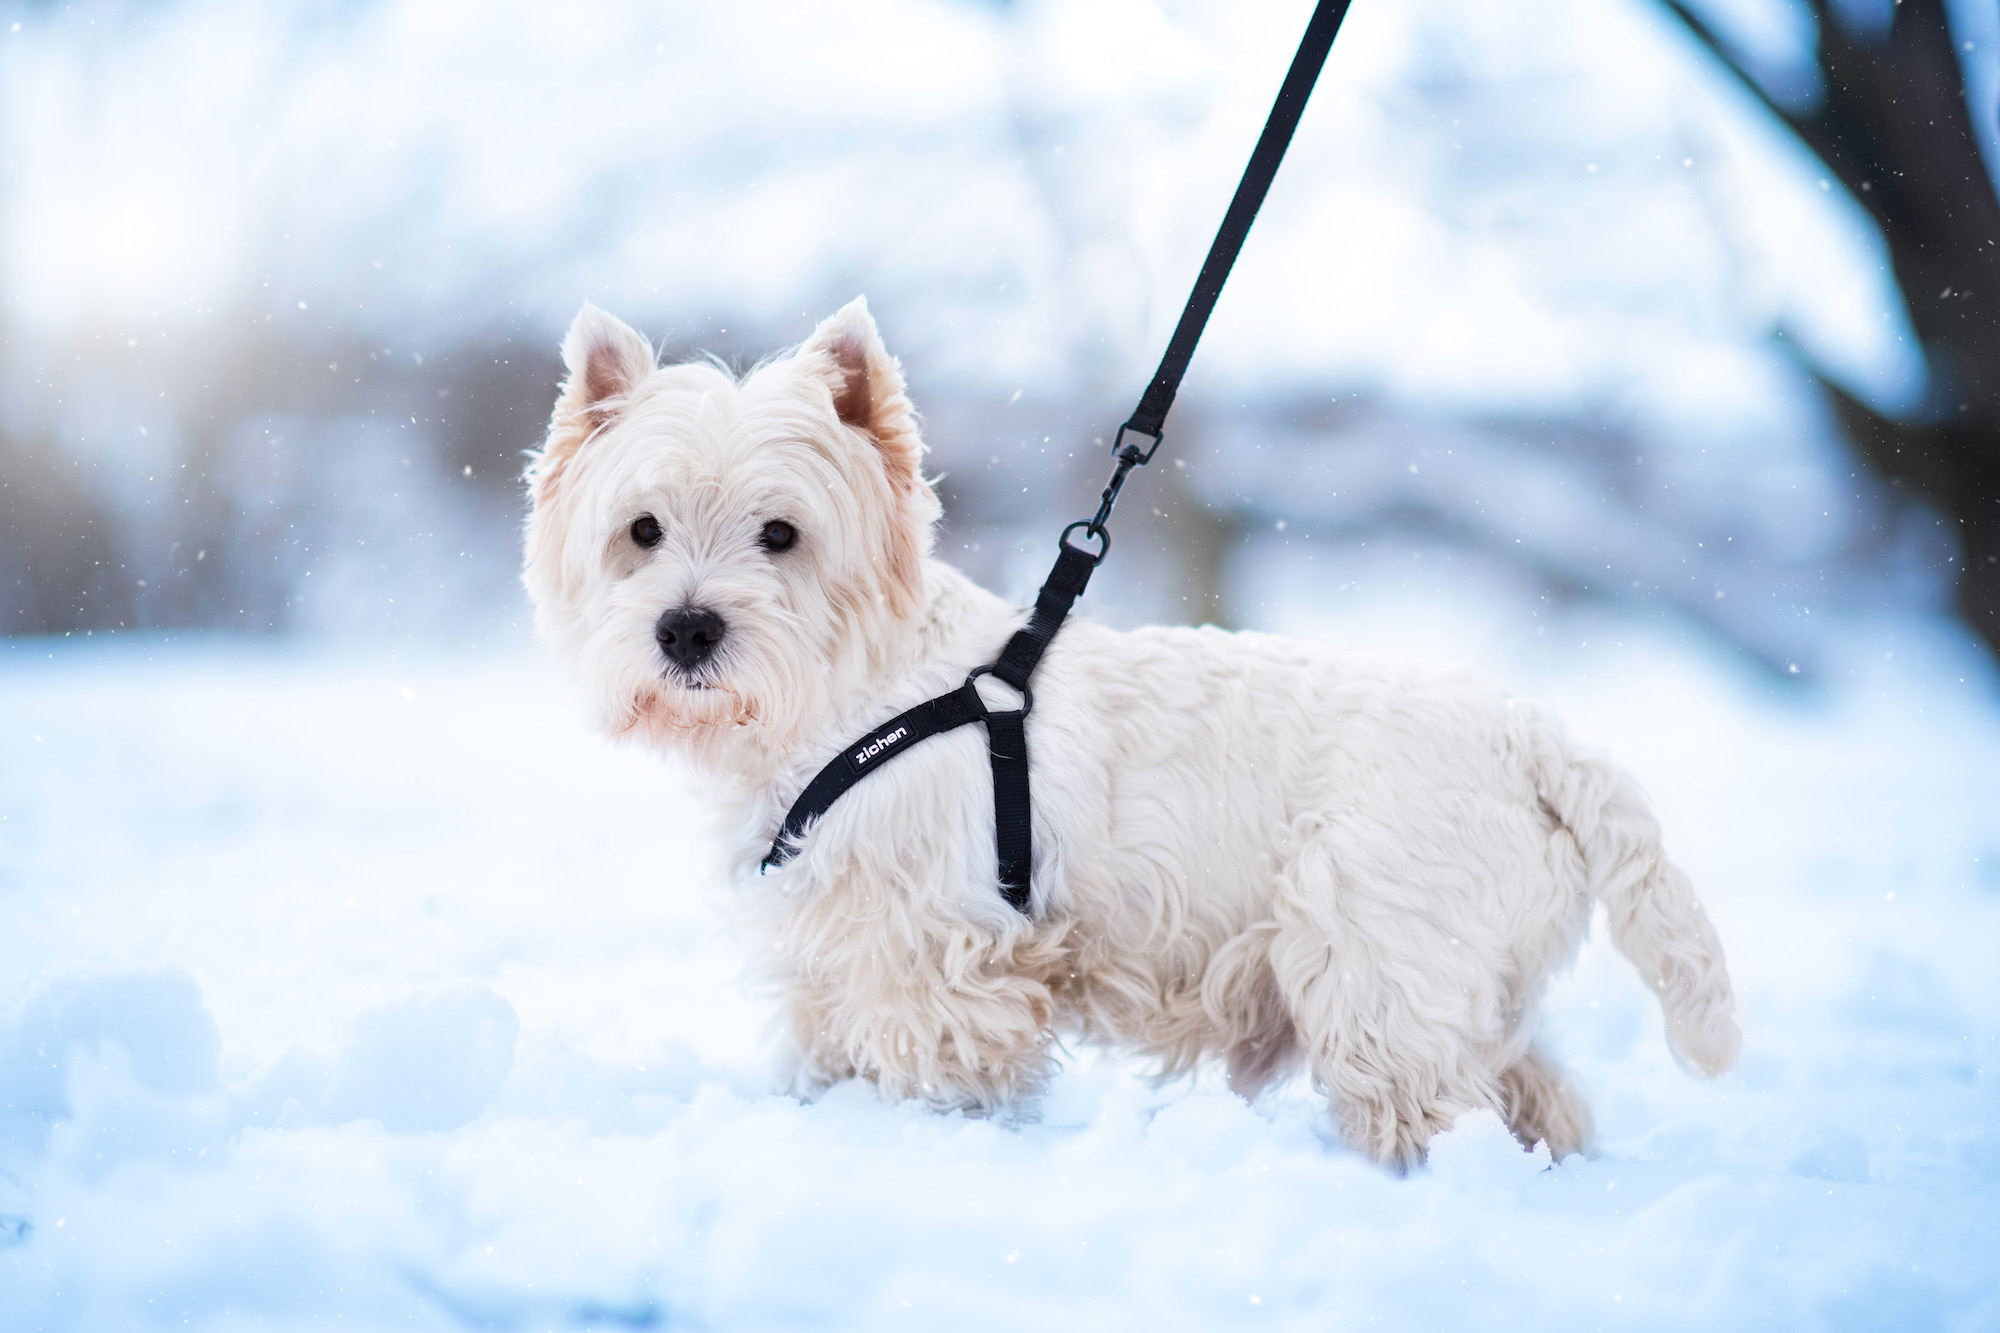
[(713, 688)]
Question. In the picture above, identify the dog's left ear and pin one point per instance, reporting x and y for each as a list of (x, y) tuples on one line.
[(867, 387)]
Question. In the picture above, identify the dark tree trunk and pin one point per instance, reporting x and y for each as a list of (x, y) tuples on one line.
[(1893, 123)]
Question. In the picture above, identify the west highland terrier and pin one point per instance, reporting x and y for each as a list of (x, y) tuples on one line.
[(1244, 846)]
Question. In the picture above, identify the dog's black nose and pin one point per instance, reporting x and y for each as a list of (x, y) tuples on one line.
[(688, 635)]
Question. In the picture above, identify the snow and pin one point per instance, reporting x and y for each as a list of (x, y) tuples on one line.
[(356, 985)]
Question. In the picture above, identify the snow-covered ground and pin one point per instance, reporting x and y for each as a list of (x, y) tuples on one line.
[(360, 987)]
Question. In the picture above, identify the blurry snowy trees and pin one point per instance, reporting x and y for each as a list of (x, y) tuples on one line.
[(1541, 306), (1884, 102)]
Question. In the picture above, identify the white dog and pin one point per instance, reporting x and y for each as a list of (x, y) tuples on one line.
[(1245, 846)]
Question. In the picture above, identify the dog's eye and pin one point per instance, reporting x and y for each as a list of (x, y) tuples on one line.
[(646, 530), (778, 535)]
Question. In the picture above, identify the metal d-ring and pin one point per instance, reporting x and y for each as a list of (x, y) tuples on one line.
[(1027, 695), (1092, 528)]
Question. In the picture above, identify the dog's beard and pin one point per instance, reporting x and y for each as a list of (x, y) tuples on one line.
[(675, 710), (719, 719)]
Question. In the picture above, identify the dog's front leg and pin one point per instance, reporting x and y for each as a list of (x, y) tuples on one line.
[(927, 1005), (818, 1055)]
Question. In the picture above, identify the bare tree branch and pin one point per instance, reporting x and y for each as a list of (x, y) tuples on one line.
[(1894, 125)]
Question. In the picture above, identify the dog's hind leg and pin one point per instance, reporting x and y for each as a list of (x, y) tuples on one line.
[(1395, 1079), (1390, 1009), (1542, 1107)]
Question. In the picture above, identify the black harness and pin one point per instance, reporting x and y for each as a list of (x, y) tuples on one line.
[(1006, 731)]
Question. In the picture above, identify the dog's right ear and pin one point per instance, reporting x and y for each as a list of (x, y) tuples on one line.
[(606, 359)]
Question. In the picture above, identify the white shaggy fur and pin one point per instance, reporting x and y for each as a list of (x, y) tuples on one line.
[(1245, 846)]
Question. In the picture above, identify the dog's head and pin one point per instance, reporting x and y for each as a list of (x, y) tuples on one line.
[(713, 553)]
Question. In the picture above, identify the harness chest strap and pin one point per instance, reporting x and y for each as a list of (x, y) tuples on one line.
[(1006, 737)]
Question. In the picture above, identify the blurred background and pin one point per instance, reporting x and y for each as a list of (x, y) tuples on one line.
[(1686, 311)]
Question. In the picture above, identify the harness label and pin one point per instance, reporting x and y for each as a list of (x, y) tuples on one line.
[(875, 747)]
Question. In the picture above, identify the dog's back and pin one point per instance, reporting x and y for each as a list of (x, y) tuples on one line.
[(1401, 856)]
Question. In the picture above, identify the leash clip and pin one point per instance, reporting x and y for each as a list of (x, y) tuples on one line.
[(1139, 459), (1129, 456)]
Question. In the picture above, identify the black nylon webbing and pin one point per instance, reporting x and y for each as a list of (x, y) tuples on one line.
[(1151, 414), (1013, 826), (1006, 743), (1064, 585), (897, 736)]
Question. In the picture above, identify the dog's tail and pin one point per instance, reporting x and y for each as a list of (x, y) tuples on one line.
[(1656, 920)]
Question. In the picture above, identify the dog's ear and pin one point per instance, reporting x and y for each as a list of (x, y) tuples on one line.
[(866, 387), (866, 383), (606, 360)]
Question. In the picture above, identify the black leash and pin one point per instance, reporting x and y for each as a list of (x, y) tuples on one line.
[(1006, 732)]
